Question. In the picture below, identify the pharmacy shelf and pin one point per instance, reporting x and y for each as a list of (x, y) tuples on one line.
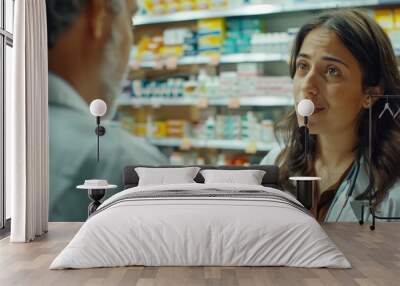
[(224, 59), (249, 10), (203, 102), (157, 102), (189, 143), (227, 59)]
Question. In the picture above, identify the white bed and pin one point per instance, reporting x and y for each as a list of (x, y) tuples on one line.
[(183, 230)]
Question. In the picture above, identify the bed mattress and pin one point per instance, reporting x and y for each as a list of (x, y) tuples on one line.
[(201, 225)]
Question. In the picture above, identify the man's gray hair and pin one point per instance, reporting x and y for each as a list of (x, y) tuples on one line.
[(61, 14)]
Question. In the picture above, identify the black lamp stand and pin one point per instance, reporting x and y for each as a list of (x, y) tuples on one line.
[(95, 195), (305, 192), (305, 188), (306, 133), (100, 131)]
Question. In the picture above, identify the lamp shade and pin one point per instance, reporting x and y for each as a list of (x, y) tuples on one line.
[(98, 107), (305, 107)]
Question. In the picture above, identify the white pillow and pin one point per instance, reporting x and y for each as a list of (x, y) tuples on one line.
[(248, 177), (166, 176)]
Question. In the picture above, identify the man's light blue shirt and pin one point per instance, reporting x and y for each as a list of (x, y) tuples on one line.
[(73, 152)]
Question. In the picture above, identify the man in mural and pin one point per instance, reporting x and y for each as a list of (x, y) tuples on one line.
[(89, 43)]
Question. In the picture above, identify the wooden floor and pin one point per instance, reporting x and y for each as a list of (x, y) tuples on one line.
[(375, 257)]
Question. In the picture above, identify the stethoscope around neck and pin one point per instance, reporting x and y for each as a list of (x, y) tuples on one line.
[(353, 175)]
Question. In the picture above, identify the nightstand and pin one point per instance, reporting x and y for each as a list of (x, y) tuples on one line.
[(95, 193)]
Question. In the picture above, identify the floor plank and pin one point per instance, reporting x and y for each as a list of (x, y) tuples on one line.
[(374, 255)]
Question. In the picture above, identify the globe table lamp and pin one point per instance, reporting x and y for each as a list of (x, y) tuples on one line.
[(98, 108), (305, 108)]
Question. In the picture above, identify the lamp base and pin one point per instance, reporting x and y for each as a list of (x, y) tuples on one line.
[(305, 193), (305, 190), (95, 195), (100, 130)]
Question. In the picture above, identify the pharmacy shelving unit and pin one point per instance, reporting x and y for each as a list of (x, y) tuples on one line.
[(249, 146), (203, 102), (153, 22), (242, 11), (224, 59), (252, 10), (245, 146)]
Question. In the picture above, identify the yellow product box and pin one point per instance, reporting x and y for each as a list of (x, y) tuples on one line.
[(148, 5), (148, 47), (167, 51), (211, 54), (140, 129), (143, 44), (216, 24), (211, 40), (161, 129), (385, 18), (142, 47)]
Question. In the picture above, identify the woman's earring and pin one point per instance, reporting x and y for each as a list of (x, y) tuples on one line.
[(367, 101)]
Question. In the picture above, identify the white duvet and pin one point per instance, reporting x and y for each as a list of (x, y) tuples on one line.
[(200, 231)]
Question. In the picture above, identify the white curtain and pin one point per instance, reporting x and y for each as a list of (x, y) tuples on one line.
[(26, 124)]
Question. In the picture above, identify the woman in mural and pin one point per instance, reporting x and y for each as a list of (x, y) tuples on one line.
[(338, 60)]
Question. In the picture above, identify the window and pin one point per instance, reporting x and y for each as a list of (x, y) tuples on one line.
[(6, 65), (9, 16)]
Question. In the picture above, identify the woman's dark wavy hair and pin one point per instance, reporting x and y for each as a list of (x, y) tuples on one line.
[(369, 44)]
